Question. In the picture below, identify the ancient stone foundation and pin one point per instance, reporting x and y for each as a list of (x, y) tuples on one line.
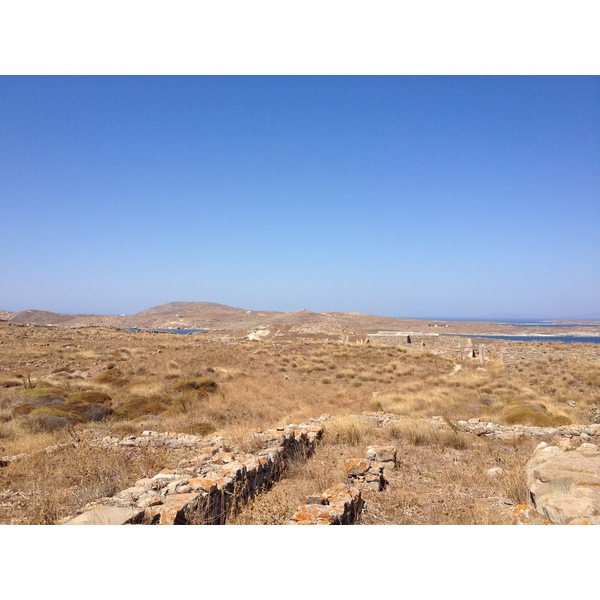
[(371, 470), (206, 490), (216, 477), (338, 505), (342, 504)]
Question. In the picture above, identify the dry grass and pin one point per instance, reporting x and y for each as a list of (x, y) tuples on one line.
[(52, 486), (204, 384), (437, 481), (349, 431)]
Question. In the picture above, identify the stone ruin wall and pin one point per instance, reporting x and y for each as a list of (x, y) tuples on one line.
[(463, 347), (205, 488), (207, 492), (454, 347), (563, 476), (342, 504)]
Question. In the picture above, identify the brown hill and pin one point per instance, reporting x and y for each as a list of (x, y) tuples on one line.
[(40, 317), (212, 316), (201, 315), (189, 308), (222, 318)]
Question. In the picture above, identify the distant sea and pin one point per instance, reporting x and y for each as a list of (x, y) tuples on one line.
[(569, 339), (180, 331), (516, 322)]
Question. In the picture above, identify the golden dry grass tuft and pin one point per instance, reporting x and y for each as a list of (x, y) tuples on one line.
[(524, 413), (55, 485), (141, 406), (349, 430), (90, 396), (112, 376)]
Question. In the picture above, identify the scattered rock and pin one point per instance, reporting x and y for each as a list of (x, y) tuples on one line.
[(106, 515), (495, 472), (564, 485), (339, 505)]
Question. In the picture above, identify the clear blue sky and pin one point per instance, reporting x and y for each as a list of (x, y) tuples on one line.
[(398, 196)]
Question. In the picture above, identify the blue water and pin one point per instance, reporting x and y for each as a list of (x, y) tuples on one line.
[(568, 339), (548, 324), (531, 321), (180, 331)]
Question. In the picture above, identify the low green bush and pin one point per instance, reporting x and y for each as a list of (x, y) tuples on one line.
[(90, 411), (51, 411), (48, 397), (200, 384), (112, 376), (202, 428), (42, 392), (44, 423), (536, 415), (91, 397), (12, 382), (139, 406)]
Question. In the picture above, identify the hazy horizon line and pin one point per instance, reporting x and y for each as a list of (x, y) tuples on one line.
[(489, 317)]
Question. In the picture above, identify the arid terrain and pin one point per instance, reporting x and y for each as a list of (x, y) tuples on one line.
[(67, 381), (218, 317)]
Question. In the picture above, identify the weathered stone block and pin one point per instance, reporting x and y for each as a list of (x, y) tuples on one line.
[(382, 453), (150, 500), (132, 494), (338, 505), (172, 511), (357, 467), (106, 515), (564, 486)]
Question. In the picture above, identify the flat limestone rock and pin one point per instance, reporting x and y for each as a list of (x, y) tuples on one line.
[(106, 515), (564, 485)]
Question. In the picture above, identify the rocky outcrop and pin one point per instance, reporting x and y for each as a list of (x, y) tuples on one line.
[(484, 427), (564, 485), (338, 505), (370, 471), (342, 504)]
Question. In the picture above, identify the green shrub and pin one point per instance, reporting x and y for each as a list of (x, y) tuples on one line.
[(140, 406), (7, 383), (201, 428), (49, 397), (524, 413), (91, 397), (51, 411), (200, 384), (38, 393), (52, 402), (112, 376), (90, 411), (44, 423)]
